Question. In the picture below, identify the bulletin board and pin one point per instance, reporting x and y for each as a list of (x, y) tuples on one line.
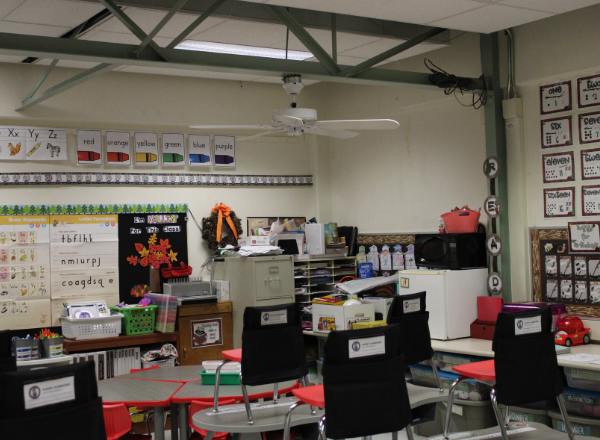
[(558, 276)]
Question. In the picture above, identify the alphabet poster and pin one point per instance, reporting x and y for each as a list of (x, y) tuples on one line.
[(118, 148), (173, 150), (588, 91), (225, 151), (12, 143), (555, 97), (89, 147), (200, 152), (590, 200), (558, 167), (557, 132), (559, 202), (146, 149), (46, 144)]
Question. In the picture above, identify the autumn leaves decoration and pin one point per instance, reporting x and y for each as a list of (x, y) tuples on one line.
[(155, 255)]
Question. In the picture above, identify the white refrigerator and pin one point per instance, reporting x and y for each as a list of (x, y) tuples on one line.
[(451, 298)]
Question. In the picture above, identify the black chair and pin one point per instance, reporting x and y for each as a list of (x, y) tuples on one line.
[(7, 361), (524, 370), (56, 403)]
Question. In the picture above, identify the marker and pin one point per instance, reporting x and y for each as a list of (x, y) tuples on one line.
[(172, 157), (117, 157), (34, 149), (145, 157), (199, 158), (88, 156), (223, 159)]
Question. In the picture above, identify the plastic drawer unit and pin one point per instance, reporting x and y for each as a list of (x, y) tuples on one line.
[(585, 403), (466, 390), (581, 379), (585, 426)]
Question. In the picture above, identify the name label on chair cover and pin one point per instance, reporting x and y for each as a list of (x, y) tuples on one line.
[(49, 392), (274, 317), (524, 326), (366, 347), (411, 305)]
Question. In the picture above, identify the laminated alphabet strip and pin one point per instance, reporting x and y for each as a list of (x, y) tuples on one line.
[(152, 179), (23, 143)]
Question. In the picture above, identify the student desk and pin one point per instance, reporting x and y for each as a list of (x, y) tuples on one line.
[(172, 374), (193, 390)]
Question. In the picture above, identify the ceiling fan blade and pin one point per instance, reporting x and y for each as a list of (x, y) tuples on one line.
[(340, 134), (288, 120), (254, 136), (232, 127), (360, 124)]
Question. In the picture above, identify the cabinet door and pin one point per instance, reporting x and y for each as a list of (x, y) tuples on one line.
[(273, 279), (203, 337)]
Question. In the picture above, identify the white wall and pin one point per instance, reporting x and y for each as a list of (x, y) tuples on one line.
[(160, 103)]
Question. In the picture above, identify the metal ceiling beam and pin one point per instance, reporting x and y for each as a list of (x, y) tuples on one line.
[(391, 52), (334, 37), (123, 54), (42, 78), (305, 38), (195, 24), (162, 24), (67, 84), (129, 24)]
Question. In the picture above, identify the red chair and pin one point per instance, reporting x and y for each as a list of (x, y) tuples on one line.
[(117, 423), (199, 405)]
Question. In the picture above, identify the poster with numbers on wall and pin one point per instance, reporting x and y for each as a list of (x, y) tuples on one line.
[(588, 91), (590, 164), (590, 200), (558, 167), (589, 128), (559, 202), (555, 97), (556, 132)]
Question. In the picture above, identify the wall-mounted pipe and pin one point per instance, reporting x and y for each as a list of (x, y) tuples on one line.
[(511, 67)]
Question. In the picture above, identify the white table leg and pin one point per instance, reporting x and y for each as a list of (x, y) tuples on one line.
[(159, 423)]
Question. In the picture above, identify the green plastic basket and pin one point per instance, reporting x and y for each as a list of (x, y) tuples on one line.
[(225, 379), (137, 320)]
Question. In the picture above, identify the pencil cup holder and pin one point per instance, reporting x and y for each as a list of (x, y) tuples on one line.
[(53, 347), (36, 349), (22, 349)]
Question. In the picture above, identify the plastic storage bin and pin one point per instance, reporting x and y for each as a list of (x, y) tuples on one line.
[(91, 328), (585, 426), (225, 379), (522, 414), (586, 403), (164, 363), (137, 320), (166, 313), (578, 378), (466, 390), (461, 221), (448, 360), (466, 416)]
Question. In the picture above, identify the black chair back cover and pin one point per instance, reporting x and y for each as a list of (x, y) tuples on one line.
[(272, 345), (408, 311), (7, 361), (525, 357), (79, 416), (363, 378)]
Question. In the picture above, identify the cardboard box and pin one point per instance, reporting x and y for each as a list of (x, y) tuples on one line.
[(382, 305), (254, 240), (359, 325), (327, 317)]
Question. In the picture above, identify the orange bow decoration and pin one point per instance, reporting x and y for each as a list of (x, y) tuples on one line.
[(223, 210)]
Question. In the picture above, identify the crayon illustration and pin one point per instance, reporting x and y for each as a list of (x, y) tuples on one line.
[(172, 158), (199, 158), (34, 149), (117, 157), (223, 159), (15, 150), (145, 157), (88, 156)]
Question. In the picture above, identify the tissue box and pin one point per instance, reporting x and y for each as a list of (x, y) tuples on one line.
[(329, 317), (254, 240)]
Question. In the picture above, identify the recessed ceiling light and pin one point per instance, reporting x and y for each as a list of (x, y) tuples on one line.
[(238, 49)]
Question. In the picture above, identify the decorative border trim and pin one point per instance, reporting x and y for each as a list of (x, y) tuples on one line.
[(92, 209), (152, 179)]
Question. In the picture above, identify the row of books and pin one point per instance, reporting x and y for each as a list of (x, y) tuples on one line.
[(112, 363)]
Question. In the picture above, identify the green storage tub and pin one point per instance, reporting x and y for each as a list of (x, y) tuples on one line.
[(225, 379), (137, 320), (520, 414), (584, 426)]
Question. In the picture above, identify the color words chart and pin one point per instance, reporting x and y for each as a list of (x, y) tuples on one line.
[(146, 149), (89, 147), (590, 200), (557, 132), (555, 97), (589, 128), (558, 167), (588, 91), (590, 164), (559, 202), (199, 149), (173, 149), (225, 151), (118, 148)]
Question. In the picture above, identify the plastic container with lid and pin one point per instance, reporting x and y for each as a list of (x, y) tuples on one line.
[(466, 416), (585, 426), (166, 313), (581, 379), (448, 360), (466, 390), (522, 414), (586, 403)]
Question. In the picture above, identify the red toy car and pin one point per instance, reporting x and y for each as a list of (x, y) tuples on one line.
[(571, 332)]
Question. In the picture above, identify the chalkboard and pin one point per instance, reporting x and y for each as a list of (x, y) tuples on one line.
[(148, 243)]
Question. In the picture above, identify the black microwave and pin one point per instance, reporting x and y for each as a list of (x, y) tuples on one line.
[(450, 251)]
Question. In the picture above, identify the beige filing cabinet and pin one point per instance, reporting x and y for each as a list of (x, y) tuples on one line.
[(256, 281)]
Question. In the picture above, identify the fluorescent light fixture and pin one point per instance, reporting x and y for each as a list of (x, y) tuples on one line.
[(238, 49)]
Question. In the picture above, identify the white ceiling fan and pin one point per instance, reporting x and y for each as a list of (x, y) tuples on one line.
[(294, 121)]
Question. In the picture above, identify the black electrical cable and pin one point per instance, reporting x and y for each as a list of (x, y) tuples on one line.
[(452, 83)]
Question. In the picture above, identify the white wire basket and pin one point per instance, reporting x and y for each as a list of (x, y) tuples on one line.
[(91, 328)]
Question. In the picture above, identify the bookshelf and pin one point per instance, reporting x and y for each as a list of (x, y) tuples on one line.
[(317, 275), (72, 345)]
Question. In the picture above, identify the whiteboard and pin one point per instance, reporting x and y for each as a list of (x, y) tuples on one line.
[(555, 97), (559, 202), (584, 237), (556, 132), (558, 167)]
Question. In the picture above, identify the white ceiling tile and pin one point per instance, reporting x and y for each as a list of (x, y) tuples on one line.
[(372, 49), (342, 60), (339, 6), (243, 32), (345, 41), (54, 12), (32, 29), (10, 59), (7, 6), (491, 18), (552, 6), (114, 37), (418, 11)]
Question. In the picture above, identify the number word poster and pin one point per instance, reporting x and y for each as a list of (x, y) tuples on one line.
[(146, 149), (225, 151), (584, 237), (590, 200), (84, 252), (46, 144), (199, 150), (559, 202), (557, 132), (589, 128), (12, 143), (558, 167), (588, 91), (118, 148), (89, 147), (590, 164), (555, 97), (173, 149)]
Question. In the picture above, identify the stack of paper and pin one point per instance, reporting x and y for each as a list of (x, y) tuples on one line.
[(246, 251), (229, 367)]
